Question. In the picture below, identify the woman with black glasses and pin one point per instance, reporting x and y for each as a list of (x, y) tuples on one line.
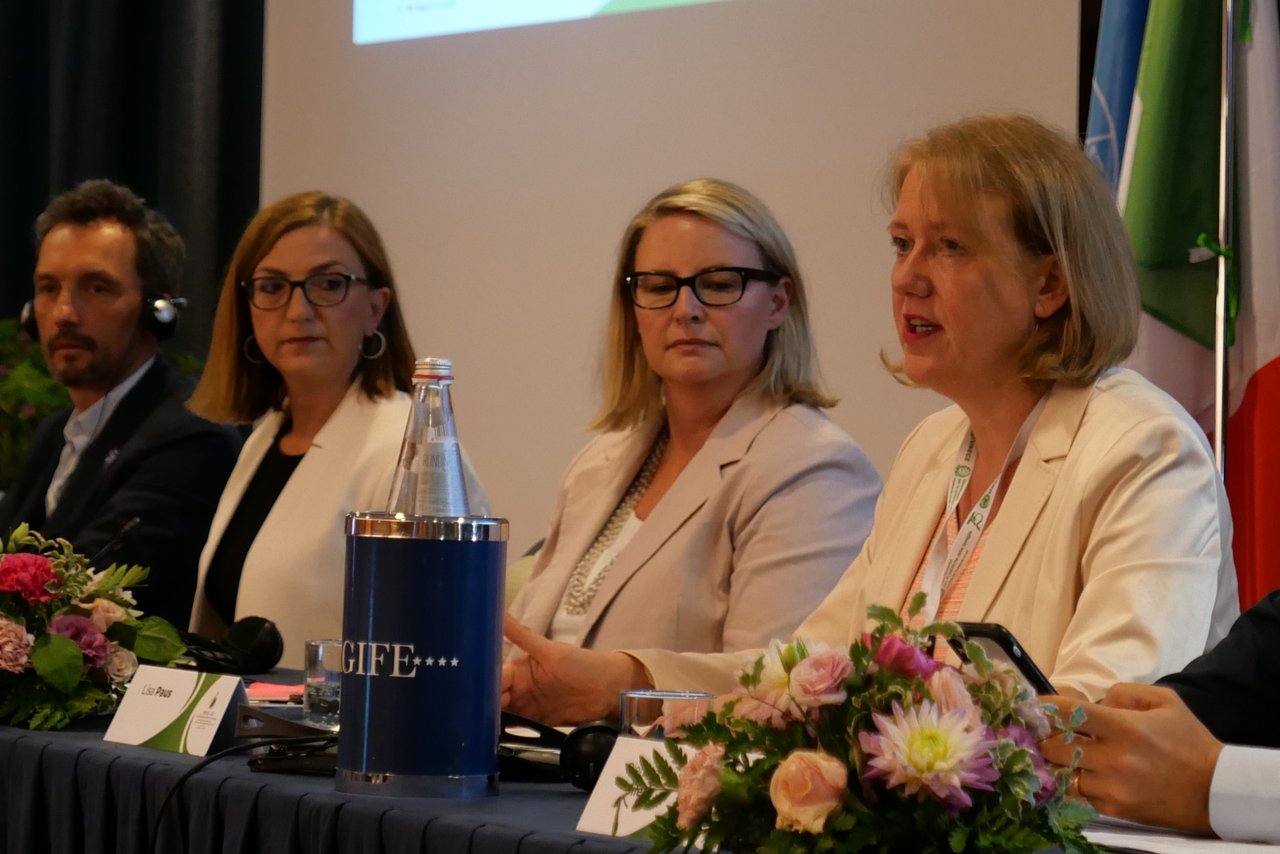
[(309, 346), (719, 505)]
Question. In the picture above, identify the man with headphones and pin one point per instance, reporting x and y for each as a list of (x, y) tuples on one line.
[(127, 474)]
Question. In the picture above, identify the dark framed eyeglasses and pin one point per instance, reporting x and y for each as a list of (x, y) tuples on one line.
[(715, 287), (322, 290)]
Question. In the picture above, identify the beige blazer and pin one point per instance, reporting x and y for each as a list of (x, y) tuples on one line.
[(1110, 559), (749, 539), (293, 572)]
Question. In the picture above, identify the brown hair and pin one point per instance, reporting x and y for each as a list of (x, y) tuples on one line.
[(632, 391), (159, 251), (233, 388), (1059, 205)]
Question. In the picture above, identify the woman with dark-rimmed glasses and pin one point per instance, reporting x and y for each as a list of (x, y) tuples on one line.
[(720, 504), (309, 346)]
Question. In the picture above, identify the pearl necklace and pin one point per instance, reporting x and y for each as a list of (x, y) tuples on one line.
[(579, 593)]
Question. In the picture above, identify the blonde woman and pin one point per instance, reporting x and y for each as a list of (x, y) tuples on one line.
[(719, 504)]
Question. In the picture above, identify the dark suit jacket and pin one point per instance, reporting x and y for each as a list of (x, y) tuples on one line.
[(1234, 689), (152, 459)]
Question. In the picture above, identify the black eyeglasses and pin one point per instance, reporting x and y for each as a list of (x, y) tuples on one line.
[(716, 287), (322, 290)]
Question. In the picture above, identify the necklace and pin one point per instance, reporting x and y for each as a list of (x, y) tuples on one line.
[(579, 593)]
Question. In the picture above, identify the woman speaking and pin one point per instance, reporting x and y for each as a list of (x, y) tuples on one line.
[(720, 504), (1061, 496)]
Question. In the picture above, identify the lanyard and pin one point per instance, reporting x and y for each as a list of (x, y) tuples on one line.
[(943, 565)]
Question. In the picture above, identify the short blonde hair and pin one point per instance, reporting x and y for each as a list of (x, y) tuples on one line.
[(234, 389), (632, 391), (1059, 205)]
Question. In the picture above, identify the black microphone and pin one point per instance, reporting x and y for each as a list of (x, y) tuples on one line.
[(117, 540)]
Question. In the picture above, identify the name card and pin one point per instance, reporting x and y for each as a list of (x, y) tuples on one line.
[(607, 810), (183, 711)]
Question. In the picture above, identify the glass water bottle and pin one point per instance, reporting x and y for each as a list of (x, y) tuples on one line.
[(428, 479)]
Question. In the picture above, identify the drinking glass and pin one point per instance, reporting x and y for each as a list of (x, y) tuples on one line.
[(662, 714), (321, 695)]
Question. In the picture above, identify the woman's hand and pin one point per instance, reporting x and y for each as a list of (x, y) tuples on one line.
[(1143, 756), (559, 684)]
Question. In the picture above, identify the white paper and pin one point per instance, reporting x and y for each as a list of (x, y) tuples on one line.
[(1121, 835)]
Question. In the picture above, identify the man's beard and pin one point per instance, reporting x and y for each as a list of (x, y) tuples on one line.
[(88, 372)]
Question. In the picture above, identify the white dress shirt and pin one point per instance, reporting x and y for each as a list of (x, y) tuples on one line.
[(80, 430), (1244, 797)]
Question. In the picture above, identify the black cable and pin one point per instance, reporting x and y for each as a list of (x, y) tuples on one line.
[(154, 833)]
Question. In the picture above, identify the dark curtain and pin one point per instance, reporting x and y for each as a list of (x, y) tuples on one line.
[(164, 96)]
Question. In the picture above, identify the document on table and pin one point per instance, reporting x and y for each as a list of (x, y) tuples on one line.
[(1120, 835)]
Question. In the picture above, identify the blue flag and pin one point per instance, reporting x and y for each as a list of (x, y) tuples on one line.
[(1115, 72)]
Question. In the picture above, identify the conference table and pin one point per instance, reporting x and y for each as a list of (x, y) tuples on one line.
[(70, 791)]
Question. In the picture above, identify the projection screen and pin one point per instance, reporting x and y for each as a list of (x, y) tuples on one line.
[(501, 167)]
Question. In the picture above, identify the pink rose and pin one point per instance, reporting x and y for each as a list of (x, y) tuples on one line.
[(15, 646), (897, 656), (27, 575), (121, 663), (94, 645), (807, 788), (819, 679), (699, 786), (104, 613)]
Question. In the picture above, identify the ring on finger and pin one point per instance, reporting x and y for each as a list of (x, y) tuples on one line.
[(1074, 786)]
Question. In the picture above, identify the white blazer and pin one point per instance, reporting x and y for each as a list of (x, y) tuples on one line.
[(293, 572), (1110, 559)]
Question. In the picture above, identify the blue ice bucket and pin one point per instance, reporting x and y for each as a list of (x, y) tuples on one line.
[(422, 655)]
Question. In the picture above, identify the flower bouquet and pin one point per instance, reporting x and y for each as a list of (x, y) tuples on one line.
[(880, 748), (69, 637)]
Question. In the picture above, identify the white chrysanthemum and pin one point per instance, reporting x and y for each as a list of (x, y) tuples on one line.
[(928, 752)]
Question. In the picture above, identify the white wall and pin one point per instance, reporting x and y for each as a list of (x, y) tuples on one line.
[(502, 166)]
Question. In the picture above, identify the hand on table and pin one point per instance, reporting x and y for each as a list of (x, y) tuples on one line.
[(1143, 756), (560, 684)]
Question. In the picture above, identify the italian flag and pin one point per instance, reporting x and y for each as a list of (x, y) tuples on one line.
[(1168, 192), (1253, 431)]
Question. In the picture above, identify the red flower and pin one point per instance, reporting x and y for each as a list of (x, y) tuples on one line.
[(27, 575)]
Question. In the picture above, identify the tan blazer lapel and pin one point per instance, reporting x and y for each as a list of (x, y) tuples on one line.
[(592, 495), (726, 445), (1032, 484)]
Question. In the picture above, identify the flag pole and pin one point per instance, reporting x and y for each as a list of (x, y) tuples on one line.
[(1225, 164), (1224, 232)]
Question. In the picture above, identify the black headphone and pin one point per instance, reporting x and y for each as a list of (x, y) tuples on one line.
[(532, 752), (252, 645), (159, 316)]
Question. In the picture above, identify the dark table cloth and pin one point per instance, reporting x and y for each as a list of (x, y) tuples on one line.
[(72, 792)]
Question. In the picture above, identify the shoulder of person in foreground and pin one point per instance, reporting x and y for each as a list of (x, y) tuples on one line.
[(1230, 685)]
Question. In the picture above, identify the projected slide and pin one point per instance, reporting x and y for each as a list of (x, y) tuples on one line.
[(394, 20)]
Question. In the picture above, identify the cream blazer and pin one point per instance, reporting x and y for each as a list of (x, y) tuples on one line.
[(293, 572), (1110, 559), (751, 536)]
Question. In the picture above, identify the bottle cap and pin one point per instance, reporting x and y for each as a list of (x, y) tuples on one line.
[(433, 368)]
